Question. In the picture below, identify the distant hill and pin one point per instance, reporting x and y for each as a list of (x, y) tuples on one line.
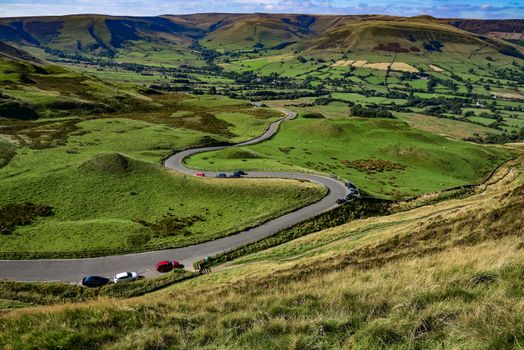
[(105, 35)]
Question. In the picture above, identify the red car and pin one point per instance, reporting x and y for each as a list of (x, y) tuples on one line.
[(166, 266), (200, 174)]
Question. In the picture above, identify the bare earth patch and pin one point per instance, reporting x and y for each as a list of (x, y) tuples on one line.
[(343, 63), (359, 63)]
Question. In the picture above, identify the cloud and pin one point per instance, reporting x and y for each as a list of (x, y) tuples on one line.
[(437, 8)]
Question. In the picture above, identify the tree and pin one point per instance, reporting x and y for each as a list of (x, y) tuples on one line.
[(432, 83)]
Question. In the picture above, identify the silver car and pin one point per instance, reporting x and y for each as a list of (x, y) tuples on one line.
[(125, 277)]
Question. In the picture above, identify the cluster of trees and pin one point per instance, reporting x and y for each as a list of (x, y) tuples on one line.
[(206, 54), (514, 136), (366, 112), (433, 45), (450, 84), (274, 95)]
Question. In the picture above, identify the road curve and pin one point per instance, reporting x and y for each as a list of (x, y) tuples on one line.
[(72, 270)]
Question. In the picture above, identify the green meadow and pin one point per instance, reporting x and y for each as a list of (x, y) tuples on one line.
[(386, 158), (109, 193)]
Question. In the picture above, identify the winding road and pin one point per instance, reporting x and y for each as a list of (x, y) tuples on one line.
[(72, 270)]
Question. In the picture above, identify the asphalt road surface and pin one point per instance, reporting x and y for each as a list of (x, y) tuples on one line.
[(72, 270)]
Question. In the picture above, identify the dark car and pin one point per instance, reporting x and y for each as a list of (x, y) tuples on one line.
[(240, 173), (353, 192), (341, 201), (94, 281), (221, 175), (350, 185), (164, 266)]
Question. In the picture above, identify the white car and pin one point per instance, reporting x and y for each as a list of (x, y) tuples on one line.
[(125, 277)]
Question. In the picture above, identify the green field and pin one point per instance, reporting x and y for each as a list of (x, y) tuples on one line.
[(383, 157)]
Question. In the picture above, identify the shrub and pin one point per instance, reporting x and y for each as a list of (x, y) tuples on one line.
[(138, 239), (12, 215), (15, 110), (313, 115)]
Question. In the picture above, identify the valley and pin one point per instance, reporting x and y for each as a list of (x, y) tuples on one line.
[(325, 181)]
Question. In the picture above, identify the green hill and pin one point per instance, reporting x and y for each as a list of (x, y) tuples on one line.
[(31, 88)]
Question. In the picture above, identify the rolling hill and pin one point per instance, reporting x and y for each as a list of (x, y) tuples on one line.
[(107, 35), (31, 88)]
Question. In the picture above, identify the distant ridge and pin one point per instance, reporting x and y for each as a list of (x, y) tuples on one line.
[(104, 35)]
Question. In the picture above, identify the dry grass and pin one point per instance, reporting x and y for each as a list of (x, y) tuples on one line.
[(359, 63), (396, 66), (436, 68), (343, 63), (403, 67)]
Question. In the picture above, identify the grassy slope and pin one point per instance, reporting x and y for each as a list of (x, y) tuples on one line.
[(95, 206), (431, 162), (54, 91), (43, 161), (441, 276)]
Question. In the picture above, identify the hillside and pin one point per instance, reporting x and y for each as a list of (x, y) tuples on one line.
[(445, 275), (511, 30), (31, 88), (401, 36), (93, 33), (8, 52)]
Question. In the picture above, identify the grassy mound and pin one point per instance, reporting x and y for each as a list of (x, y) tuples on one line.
[(111, 203), (239, 153), (108, 163), (321, 129)]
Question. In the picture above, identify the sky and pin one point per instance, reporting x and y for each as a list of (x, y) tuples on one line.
[(438, 8)]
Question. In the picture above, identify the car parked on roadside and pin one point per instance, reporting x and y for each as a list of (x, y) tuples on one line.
[(237, 174), (164, 266), (341, 201), (94, 281), (350, 184), (168, 265), (124, 277), (353, 192), (221, 175), (200, 174)]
